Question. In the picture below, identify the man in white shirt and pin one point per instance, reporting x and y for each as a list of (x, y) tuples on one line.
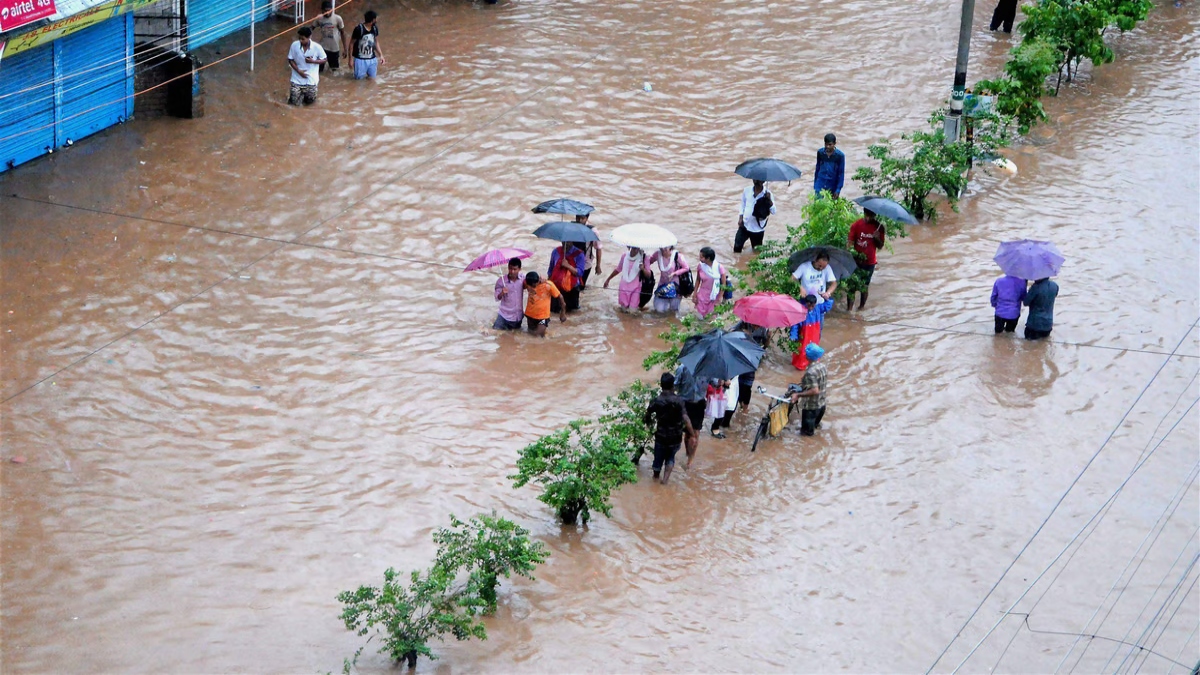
[(817, 277), (305, 58), (752, 219)]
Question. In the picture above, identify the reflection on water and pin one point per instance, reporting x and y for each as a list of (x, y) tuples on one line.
[(232, 430)]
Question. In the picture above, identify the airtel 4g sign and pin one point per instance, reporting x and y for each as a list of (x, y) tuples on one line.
[(16, 13)]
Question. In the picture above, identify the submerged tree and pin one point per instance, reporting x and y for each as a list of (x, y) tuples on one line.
[(487, 547), (578, 469)]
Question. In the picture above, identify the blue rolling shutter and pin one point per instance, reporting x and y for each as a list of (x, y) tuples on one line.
[(210, 20), (95, 78), (26, 106)]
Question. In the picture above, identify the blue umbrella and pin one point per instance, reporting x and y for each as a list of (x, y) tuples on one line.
[(882, 206), (1029, 259), (567, 207), (566, 230), (766, 169), (721, 355)]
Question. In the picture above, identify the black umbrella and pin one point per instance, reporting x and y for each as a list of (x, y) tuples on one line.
[(721, 355), (841, 261), (565, 230), (566, 207), (767, 170), (882, 206)]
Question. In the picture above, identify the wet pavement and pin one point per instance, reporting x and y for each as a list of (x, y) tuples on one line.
[(247, 374)]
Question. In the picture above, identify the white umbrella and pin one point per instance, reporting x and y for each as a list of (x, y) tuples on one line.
[(644, 236)]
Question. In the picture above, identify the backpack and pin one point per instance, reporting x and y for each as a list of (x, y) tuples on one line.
[(687, 285), (762, 206)]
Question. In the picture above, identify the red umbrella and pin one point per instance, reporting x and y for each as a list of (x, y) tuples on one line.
[(770, 310), (497, 257)]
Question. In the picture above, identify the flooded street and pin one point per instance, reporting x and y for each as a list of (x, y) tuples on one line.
[(247, 373)]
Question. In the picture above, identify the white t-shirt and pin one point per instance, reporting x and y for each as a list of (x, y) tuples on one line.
[(813, 280), (297, 54)]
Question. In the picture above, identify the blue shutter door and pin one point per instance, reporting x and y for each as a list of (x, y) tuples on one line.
[(26, 106), (95, 78), (210, 20)]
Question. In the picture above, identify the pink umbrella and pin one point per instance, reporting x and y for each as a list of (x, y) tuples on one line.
[(497, 257), (770, 310)]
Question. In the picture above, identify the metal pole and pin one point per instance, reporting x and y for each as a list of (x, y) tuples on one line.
[(959, 94), (252, 36)]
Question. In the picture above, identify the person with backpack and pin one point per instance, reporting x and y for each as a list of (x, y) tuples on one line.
[(566, 272), (594, 251), (364, 45), (672, 287), (757, 206)]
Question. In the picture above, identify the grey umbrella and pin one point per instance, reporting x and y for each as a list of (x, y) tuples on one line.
[(566, 207), (841, 261), (565, 230), (721, 355), (767, 169), (882, 206)]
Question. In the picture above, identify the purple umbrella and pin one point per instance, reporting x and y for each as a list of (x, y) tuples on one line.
[(496, 257), (1028, 259)]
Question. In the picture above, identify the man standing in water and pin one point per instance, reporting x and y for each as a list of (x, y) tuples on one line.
[(866, 236), (1040, 300), (1006, 13), (671, 424), (510, 291), (757, 206), (830, 174), (332, 33), (364, 45), (305, 58), (693, 392), (812, 391), (537, 309), (594, 251)]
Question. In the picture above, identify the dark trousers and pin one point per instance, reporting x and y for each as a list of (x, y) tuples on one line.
[(587, 273), (1006, 13), (571, 297), (695, 413), (1031, 334), (664, 453), (1005, 325), (810, 419), (739, 239), (745, 388), (722, 421)]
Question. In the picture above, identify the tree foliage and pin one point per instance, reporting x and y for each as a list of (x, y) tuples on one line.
[(578, 468), (407, 613), (623, 417), (485, 548), (910, 170), (1057, 36)]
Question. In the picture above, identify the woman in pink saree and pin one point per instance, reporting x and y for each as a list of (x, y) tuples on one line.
[(631, 269), (710, 280)]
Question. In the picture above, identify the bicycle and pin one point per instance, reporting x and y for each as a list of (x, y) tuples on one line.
[(764, 427)]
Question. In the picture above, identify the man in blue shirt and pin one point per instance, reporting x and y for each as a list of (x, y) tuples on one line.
[(830, 174)]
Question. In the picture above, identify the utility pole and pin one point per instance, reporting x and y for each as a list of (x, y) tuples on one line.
[(954, 119)]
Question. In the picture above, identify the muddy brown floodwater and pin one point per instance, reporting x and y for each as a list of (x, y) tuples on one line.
[(240, 389)]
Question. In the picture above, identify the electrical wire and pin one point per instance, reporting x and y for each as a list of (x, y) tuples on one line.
[(1031, 629), (1110, 499), (1186, 641), (1062, 498), (1182, 602), (1162, 608), (1179, 495), (1159, 586)]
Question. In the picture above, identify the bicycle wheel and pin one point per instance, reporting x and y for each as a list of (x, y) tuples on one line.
[(763, 427)]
